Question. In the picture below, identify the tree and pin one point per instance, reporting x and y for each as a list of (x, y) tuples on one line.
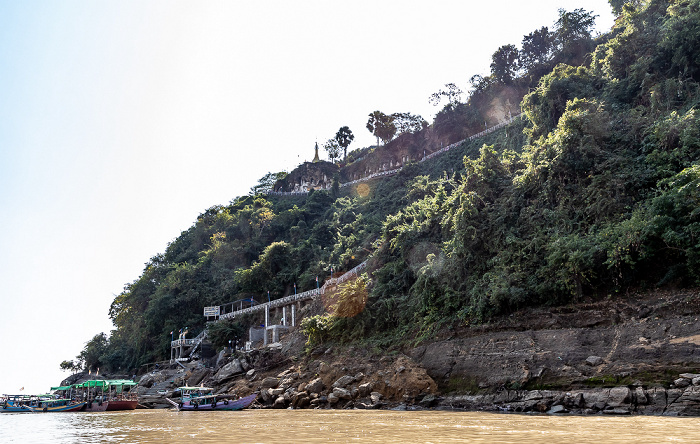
[(382, 126), (267, 182), (344, 136), (536, 49), (69, 366), (504, 63), (91, 355), (409, 123), (572, 33), (332, 147), (220, 333), (452, 93)]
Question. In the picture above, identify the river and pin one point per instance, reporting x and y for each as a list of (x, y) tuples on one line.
[(311, 426)]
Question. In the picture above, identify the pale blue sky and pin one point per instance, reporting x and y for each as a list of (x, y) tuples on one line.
[(121, 121)]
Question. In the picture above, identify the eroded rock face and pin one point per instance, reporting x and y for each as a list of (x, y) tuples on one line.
[(566, 346)]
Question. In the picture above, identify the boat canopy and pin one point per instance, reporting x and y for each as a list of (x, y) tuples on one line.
[(192, 389), (119, 383)]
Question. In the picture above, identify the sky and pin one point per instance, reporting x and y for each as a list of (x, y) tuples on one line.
[(121, 121)]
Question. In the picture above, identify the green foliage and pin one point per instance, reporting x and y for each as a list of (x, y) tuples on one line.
[(344, 137), (267, 182), (91, 356), (220, 333), (504, 63), (317, 328), (69, 366), (382, 126)]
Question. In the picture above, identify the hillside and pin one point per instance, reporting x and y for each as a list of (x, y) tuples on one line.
[(593, 193)]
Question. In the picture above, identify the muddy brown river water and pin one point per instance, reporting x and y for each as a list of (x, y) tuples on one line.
[(320, 426)]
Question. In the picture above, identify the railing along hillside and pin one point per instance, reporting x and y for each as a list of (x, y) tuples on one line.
[(306, 295)]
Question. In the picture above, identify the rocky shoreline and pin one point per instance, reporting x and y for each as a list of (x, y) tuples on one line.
[(623, 356)]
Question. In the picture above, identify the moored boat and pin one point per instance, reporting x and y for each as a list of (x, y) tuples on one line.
[(49, 405), (203, 399), (102, 395), (18, 404)]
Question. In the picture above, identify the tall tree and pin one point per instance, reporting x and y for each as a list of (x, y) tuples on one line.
[(451, 92), (344, 136), (504, 63), (573, 34), (382, 126), (409, 123), (536, 49), (267, 182), (332, 147)]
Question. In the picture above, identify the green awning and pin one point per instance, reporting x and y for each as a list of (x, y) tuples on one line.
[(66, 387), (93, 383), (121, 382)]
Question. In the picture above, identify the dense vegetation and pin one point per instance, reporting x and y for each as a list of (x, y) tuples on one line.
[(595, 191)]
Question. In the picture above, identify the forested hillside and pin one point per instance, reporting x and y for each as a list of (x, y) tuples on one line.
[(595, 191)]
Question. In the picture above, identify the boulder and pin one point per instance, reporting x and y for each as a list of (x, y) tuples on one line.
[(344, 381), (681, 383), (365, 389), (280, 403), (227, 371), (270, 382), (428, 401), (557, 409), (619, 397), (375, 397), (342, 393), (594, 361), (315, 386), (690, 376), (639, 396), (333, 398)]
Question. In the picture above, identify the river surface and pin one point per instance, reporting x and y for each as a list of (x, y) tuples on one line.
[(311, 426)]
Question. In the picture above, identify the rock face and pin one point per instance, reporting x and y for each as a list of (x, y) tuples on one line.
[(614, 401), (308, 176), (565, 346)]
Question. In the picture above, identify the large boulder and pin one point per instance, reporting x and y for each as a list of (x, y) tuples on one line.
[(270, 382), (315, 386), (342, 393), (344, 381), (228, 371)]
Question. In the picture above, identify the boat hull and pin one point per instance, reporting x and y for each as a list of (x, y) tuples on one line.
[(13, 409), (61, 408), (122, 405), (96, 406), (224, 405)]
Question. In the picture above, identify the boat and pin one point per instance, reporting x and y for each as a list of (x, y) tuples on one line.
[(48, 405), (203, 399), (102, 395), (18, 403)]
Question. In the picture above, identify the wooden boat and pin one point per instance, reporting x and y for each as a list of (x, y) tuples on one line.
[(18, 404), (48, 405), (203, 399), (102, 395)]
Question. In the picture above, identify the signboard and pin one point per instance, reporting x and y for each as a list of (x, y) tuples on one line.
[(212, 311)]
